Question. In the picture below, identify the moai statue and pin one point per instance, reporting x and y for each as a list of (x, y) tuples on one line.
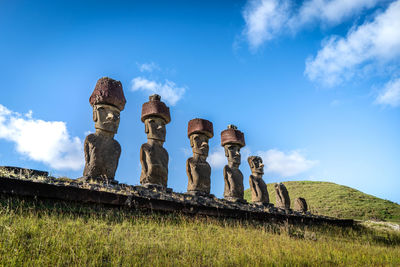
[(282, 196), (197, 168), (153, 157), (102, 152), (259, 192), (233, 140), (300, 205)]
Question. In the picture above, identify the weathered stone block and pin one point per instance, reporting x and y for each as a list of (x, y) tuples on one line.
[(282, 196), (300, 204)]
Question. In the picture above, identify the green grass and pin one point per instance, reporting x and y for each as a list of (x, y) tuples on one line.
[(339, 201), (36, 233)]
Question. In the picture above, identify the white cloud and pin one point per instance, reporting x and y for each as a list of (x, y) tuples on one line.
[(29, 114), (377, 41), (390, 95), (276, 162), (168, 90), (330, 12), (245, 152), (217, 158), (148, 67), (285, 164), (45, 141), (266, 19)]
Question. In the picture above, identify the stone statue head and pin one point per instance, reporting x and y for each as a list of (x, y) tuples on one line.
[(155, 108), (106, 117), (155, 115), (154, 127), (109, 92), (108, 101), (199, 144), (232, 140), (256, 165), (232, 152), (199, 132)]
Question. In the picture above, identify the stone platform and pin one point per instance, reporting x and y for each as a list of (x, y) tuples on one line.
[(37, 184)]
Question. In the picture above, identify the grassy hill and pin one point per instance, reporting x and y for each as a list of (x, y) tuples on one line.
[(338, 201), (46, 233)]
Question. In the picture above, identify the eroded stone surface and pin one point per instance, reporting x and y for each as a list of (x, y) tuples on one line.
[(108, 91), (259, 192), (101, 156), (232, 140), (177, 201), (153, 157), (102, 152), (197, 168), (21, 172), (282, 196), (300, 204)]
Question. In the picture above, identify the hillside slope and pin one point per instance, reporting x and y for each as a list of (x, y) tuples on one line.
[(52, 233), (339, 201)]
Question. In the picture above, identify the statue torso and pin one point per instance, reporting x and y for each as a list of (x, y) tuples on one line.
[(103, 155), (200, 172), (259, 192), (156, 158), (233, 182)]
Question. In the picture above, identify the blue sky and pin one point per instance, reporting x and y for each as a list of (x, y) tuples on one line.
[(314, 85)]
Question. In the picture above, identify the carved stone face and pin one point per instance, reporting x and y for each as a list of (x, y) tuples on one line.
[(155, 128), (257, 166), (199, 144), (232, 151), (106, 117)]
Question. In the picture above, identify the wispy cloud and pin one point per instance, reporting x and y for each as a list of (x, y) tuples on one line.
[(264, 20), (44, 141), (217, 158), (375, 42), (285, 164), (390, 94), (168, 90), (373, 46), (329, 12), (268, 19), (276, 162), (148, 67)]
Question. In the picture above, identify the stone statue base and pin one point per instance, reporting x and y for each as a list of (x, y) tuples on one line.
[(200, 194), (13, 184), (287, 211), (97, 180), (235, 199), (265, 204), (157, 187)]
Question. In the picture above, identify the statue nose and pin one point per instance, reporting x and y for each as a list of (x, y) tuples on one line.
[(110, 116), (261, 165), (159, 127)]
